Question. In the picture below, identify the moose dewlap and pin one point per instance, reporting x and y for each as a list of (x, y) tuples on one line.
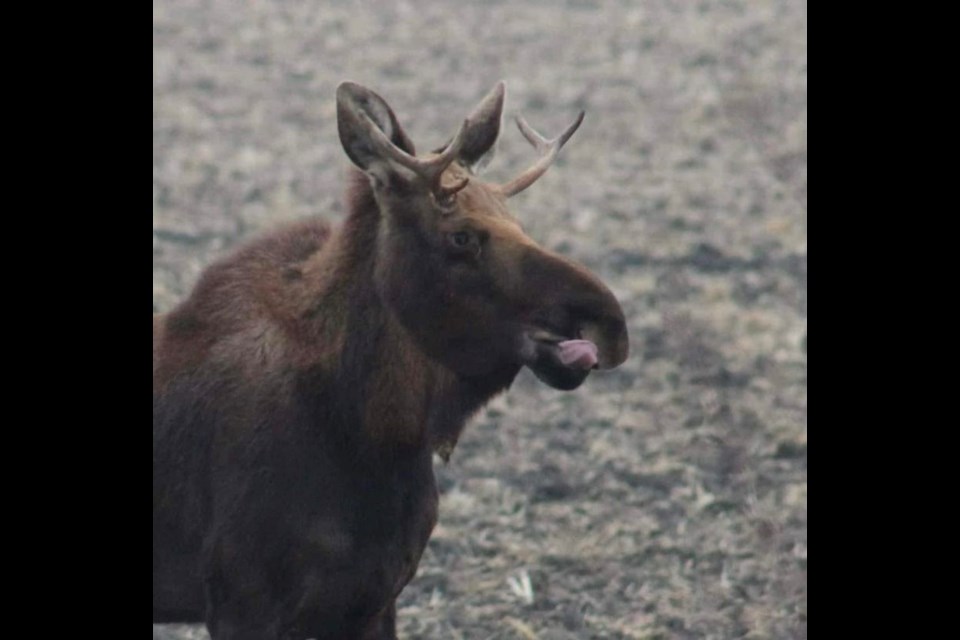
[(300, 390)]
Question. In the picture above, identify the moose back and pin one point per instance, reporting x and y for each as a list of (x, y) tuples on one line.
[(301, 389)]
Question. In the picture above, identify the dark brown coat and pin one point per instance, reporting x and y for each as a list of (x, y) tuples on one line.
[(301, 389)]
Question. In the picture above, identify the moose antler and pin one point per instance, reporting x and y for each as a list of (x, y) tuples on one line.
[(548, 150), (430, 169)]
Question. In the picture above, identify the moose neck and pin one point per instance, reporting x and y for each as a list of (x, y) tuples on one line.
[(398, 393)]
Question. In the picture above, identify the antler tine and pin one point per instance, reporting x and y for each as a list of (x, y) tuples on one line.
[(428, 168), (537, 140), (548, 149)]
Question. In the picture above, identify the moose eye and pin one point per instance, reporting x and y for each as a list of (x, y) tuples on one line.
[(460, 238), (446, 201)]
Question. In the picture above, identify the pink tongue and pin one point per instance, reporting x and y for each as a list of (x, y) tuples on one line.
[(578, 354)]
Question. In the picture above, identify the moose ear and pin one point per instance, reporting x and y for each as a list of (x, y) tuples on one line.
[(480, 139), (357, 107)]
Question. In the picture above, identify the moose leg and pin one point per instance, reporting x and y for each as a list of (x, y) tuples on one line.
[(336, 607), (380, 627), (384, 627), (253, 597), (228, 620), (239, 603)]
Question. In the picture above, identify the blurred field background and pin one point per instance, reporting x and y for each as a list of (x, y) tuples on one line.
[(665, 499)]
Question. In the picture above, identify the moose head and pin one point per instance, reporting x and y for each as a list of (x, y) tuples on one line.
[(455, 267)]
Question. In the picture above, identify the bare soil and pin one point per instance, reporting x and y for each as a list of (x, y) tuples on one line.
[(665, 499)]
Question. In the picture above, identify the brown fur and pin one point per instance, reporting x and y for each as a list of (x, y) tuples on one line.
[(301, 388)]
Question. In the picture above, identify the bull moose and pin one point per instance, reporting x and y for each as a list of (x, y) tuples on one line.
[(302, 388)]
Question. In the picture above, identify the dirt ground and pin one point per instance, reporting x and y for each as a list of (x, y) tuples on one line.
[(665, 499)]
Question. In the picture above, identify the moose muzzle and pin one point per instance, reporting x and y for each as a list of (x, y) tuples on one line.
[(575, 322)]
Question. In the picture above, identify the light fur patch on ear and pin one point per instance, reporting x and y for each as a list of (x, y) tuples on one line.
[(380, 116)]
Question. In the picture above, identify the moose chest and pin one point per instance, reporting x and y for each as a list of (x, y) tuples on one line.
[(387, 507), (326, 547), (359, 531)]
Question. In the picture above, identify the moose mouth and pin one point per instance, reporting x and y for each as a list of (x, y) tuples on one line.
[(559, 361)]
